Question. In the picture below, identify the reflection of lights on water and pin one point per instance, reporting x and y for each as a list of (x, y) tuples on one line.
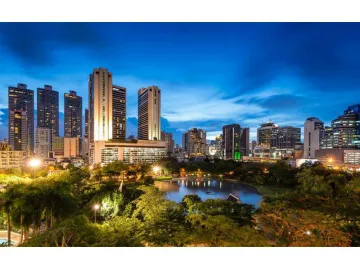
[(209, 183), (220, 184)]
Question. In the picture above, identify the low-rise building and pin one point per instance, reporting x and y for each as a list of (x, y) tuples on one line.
[(11, 159), (141, 151)]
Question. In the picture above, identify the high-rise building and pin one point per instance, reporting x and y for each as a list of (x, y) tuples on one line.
[(43, 142), (264, 133), (185, 141), (149, 112), (244, 142), (85, 145), (119, 113), (196, 142), (219, 147), (19, 132), (21, 98), (231, 141), (10, 159), (285, 137), (100, 108), (168, 138), (344, 131), (252, 146), (313, 134), (48, 110), (72, 115)]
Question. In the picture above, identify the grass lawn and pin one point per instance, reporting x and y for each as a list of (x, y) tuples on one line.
[(160, 178)]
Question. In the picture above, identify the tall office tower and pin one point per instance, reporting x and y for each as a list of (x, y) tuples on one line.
[(48, 110), (72, 115), (244, 142), (185, 142), (100, 108), (85, 145), (264, 133), (149, 112), (21, 98), (43, 142), (119, 113), (219, 147), (313, 133), (285, 137), (344, 131), (231, 141), (196, 142), (19, 131), (168, 138)]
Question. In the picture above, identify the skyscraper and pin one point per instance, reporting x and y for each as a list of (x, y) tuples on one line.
[(196, 142), (185, 141), (313, 134), (48, 110), (85, 145), (231, 141), (244, 141), (344, 131), (43, 142), (168, 138), (19, 131), (72, 115), (264, 133), (149, 112), (119, 113), (100, 108), (21, 98), (285, 137)]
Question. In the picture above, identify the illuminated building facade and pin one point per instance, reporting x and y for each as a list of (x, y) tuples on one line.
[(100, 108), (313, 134), (72, 115), (168, 138), (231, 141), (344, 132), (11, 159), (19, 131), (142, 151), (48, 110), (21, 98), (43, 142), (196, 144), (149, 112), (119, 113)]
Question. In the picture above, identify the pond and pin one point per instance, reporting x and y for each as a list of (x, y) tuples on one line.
[(176, 189)]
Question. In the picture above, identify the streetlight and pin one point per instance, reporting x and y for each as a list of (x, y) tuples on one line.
[(308, 232), (96, 207), (156, 169), (34, 163)]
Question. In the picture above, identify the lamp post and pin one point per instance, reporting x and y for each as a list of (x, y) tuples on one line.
[(96, 207), (34, 163)]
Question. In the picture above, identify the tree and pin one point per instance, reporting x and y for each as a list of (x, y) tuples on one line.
[(161, 218), (189, 201)]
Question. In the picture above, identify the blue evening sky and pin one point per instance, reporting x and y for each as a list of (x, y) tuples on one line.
[(211, 74)]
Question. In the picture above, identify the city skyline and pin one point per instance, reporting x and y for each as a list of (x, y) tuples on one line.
[(268, 84)]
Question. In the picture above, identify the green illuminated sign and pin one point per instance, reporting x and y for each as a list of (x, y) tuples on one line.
[(237, 155)]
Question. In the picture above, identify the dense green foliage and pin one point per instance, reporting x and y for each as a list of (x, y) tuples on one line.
[(322, 209)]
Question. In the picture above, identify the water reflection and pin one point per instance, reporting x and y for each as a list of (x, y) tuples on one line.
[(210, 189)]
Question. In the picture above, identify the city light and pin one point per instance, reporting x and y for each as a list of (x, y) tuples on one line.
[(330, 160), (308, 232), (34, 162), (156, 169)]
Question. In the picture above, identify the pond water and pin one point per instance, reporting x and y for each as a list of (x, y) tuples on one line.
[(209, 189)]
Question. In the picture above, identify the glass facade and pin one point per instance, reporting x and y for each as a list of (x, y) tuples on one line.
[(135, 155)]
